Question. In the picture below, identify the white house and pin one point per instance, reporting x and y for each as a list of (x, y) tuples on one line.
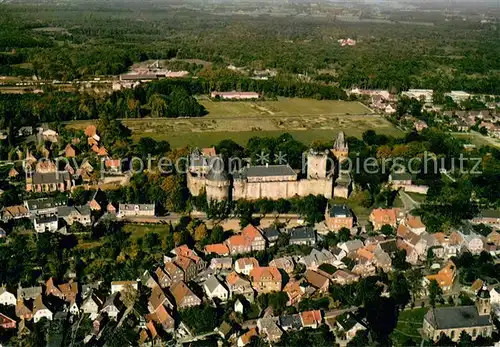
[(6, 297), (45, 224), (73, 308), (40, 311), (238, 307), (118, 286), (214, 289), (91, 305), (245, 265), (349, 326)]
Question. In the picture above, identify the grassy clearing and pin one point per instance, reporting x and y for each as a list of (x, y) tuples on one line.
[(417, 197), (139, 230), (477, 139), (408, 324), (307, 120)]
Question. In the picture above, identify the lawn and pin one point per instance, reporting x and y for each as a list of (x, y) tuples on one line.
[(139, 230), (477, 139), (307, 120), (408, 324), (417, 197)]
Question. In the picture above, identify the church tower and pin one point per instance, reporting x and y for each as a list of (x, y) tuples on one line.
[(340, 147), (483, 303)]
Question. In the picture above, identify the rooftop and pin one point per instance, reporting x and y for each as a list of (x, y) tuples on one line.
[(340, 211), (456, 317), (268, 170)]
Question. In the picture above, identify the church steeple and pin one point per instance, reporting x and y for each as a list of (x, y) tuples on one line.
[(483, 303)]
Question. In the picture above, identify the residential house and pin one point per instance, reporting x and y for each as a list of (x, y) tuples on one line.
[(338, 217), (91, 305), (157, 299), (238, 306), (163, 279), (245, 265), (493, 238), (64, 291), (343, 277), (90, 131), (113, 166), (291, 322), (238, 285), (98, 200), (6, 297), (219, 249), (23, 312), (110, 208), (350, 246), (349, 326), (311, 319), (214, 289), (380, 217), (184, 252), (14, 212), (303, 236), (43, 206), (174, 273), (112, 306), (266, 279), (295, 291), (250, 239), (7, 322), (400, 179), (136, 210), (188, 266), (317, 280), (415, 224), (269, 327), (473, 242), (445, 277), (72, 214), (40, 310), (70, 151), (184, 297), (245, 339), (161, 317), (318, 257), (120, 286), (221, 263), (45, 224), (271, 234), (285, 263)]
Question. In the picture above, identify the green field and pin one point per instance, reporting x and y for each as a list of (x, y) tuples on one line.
[(409, 323), (306, 119), (139, 230), (477, 139)]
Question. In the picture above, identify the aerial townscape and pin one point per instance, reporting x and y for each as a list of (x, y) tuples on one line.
[(235, 173)]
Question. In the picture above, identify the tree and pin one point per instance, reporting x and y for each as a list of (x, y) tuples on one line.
[(200, 232), (414, 277), (400, 289), (387, 230), (435, 292), (344, 234), (278, 301)]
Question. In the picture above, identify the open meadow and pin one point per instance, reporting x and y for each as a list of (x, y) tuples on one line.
[(307, 120)]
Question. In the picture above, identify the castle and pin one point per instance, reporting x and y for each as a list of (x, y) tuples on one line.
[(259, 181)]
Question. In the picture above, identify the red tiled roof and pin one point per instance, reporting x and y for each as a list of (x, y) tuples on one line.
[(257, 273), (311, 317), (217, 248)]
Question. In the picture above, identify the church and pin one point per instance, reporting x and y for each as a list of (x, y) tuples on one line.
[(452, 321)]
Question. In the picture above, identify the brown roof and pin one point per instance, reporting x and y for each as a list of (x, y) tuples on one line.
[(184, 262), (269, 273), (171, 269), (242, 262), (246, 337), (209, 152), (317, 280), (445, 276), (92, 142), (250, 232), (415, 222), (102, 151), (157, 297), (381, 215), (16, 210), (180, 290), (232, 278)]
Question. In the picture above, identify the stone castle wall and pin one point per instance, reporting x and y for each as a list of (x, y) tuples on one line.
[(284, 189), (195, 184)]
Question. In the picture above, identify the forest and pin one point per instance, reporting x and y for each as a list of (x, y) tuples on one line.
[(77, 41)]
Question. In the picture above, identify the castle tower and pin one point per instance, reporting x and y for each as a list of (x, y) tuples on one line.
[(317, 164), (483, 303), (340, 148), (217, 182)]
